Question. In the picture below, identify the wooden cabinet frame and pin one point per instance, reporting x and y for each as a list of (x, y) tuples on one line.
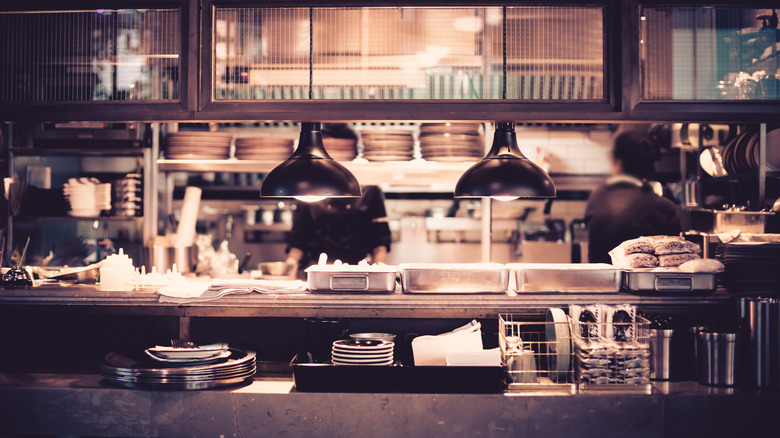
[(622, 101)]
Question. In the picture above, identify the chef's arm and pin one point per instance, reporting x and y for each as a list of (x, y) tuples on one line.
[(380, 254), (294, 258)]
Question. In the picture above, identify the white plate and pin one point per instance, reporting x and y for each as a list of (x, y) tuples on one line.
[(558, 339), (341, 355), (350, 344), (219, 355), (188, 353), (382, 364)]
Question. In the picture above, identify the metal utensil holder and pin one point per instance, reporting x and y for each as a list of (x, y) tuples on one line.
[(545, 374), (602, 363)]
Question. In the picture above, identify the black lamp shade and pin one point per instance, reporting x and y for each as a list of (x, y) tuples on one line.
[(310, 171), (505, 172)]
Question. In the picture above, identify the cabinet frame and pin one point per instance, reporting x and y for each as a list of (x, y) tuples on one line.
[(622, 86)]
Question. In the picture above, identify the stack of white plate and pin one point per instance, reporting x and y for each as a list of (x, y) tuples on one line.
[(199, 145), (363, 352), (451, 141), (387, 145), (263, 148), (87, 196), (341, 149)]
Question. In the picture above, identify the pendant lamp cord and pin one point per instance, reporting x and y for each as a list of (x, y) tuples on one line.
[(503, 29), (311, 50)]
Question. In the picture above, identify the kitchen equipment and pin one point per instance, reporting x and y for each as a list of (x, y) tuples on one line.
[(606, 364), (389, 337), (724, 221), (454, 278), (716, 358), (321, 377), (150, 374), (117, 273), (764, 317), (432, 350), (750, 266), (566, 277), (671, 281), (352, 278), (365, 352), (161, 257), (319, 335), (660, 353), (537, 355), (18, 277), (276, 270)]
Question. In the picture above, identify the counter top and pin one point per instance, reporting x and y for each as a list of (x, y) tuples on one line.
[(395, 305), (80, 405)]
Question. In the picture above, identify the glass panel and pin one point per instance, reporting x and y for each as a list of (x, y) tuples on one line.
[(553, 53), (706, 53), (103, 54)]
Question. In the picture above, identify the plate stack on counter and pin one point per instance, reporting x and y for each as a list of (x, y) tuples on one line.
[(387, 144), (180, 368), (341, 149), (198, 145), (451, 141), (741, 154), (363, 352), (87, 196), (263, 148), (750, 266)]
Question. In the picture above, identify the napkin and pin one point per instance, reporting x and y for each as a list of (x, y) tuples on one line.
[(432, 350), (198, 291)]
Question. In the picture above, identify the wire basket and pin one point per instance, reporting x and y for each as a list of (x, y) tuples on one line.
[(537, 355), (612, 356)]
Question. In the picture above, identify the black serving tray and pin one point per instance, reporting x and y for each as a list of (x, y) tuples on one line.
[(326, 377)]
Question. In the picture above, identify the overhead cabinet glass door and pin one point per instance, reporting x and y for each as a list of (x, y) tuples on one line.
[(410, 53), (90, 55), (709, 54)]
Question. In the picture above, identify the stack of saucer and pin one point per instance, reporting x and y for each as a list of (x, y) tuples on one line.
[(87, 196), (199, 145), (341, 149), (451, 141), (263, 148), (363, 352), (387, 144)]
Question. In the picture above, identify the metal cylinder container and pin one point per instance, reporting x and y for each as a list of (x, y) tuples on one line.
[(661, 354), (717, 358), (764, 316)]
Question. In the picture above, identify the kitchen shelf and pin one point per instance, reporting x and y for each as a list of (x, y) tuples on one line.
[(407, 173), (78, 219), (44, 151)]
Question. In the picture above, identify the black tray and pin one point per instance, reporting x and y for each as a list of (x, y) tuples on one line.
[(326, 377)]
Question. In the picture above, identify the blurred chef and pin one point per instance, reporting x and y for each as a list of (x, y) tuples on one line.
[(630, 205), (346, 229)]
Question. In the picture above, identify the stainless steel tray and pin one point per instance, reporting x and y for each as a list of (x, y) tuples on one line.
[(566, 277), (647, 280), (351, 278), (454, 278)]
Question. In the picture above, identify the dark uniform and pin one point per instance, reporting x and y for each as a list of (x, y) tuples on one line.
[(625, 210), (347, 229)]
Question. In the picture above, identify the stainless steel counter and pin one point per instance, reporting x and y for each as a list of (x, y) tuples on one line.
[(395, 305), (79, 405)]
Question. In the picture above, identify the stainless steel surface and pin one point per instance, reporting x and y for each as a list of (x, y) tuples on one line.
[(329, 278), (660, 353), (566, 277), (764, 316), (717, 358), (456, 278), (661, 281), (162, 258)]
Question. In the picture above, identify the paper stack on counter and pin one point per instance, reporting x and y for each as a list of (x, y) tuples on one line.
[(462, 346), (197, 291)]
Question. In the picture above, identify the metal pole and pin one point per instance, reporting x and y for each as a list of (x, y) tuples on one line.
[(762, 167), (487, 232)]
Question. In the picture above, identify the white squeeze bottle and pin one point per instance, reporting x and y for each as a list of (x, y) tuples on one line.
[(117, 273)]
